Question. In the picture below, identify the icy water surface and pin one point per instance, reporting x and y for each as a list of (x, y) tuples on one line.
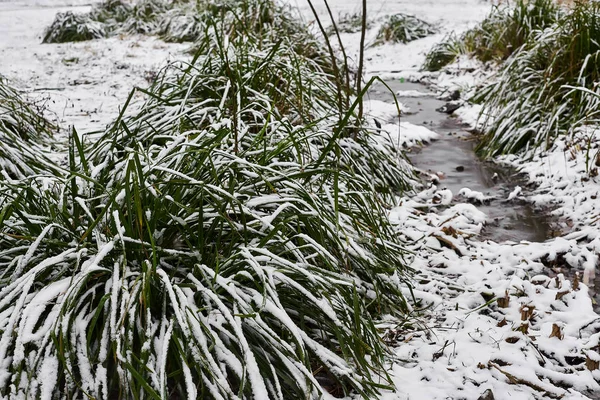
[(452, 157)]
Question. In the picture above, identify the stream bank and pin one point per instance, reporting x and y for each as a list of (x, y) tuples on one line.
[(450, 162)]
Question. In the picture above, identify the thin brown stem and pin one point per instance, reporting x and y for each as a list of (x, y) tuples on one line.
[(334, 65), (361, 59), (347, 86)]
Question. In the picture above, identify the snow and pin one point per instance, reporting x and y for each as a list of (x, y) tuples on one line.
[(413, 93), (513, 195), (474, 195), (406, 134)]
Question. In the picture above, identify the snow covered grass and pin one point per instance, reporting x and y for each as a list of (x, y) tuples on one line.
[(69, 27), (178, 21), (508, 27), (227, 239), (498, 36), (548, 65), (141, 17), (24, 136), (403, 28), (110, 18), (547, 88), (350, 23), (444, 53)]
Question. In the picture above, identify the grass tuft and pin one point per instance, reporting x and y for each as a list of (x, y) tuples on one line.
[(403, 28), (69, 27), (533, 99)]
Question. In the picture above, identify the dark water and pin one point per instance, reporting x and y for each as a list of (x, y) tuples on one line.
[(454, 157)]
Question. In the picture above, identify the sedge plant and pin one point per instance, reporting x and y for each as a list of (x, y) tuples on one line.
[(226, 238), (533, 99)]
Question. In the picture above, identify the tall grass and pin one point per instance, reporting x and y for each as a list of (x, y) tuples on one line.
[(24, 137), (498, 36), (228, 239), (533, 99), (403, 28)]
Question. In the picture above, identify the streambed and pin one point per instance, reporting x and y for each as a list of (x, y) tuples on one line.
[(453, 159)]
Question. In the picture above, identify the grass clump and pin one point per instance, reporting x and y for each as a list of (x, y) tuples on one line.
[(180, 26), (533, 99), (498, 36), (111, 12), (145, 17), (24, 135), (349, 23), (109, 18), (69, 27), (403, 28), (444, 53), (227, 239)]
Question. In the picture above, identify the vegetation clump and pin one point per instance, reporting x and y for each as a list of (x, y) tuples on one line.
[(69, 27), (350, 23), (225, 240), (146, 17), (24, 133), (548, 87), (444, 53), (111, 12), (403, 28), (498, 36), (179, 25), (179, 21)]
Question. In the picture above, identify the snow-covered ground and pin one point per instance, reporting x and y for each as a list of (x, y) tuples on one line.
[(532, 342), (82, 84), (535, 339)]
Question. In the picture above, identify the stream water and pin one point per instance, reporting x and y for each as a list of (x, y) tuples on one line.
[(452, 157)]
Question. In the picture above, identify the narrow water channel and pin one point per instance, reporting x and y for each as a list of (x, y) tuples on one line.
[(452, 157)]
